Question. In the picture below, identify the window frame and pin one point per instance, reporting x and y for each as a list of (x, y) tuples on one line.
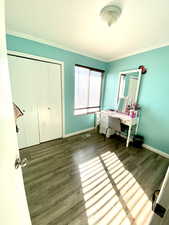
[(101, 89)]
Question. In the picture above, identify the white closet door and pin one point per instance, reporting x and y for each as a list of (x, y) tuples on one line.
[(22, 72), (50, 102), (55, 101)]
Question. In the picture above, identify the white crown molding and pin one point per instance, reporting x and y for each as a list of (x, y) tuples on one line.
[(137, 52), (51, 43)]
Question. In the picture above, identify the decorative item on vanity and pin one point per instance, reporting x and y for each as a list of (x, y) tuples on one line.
[(132, 110), (110, 13), (143, 69), (132, 113)]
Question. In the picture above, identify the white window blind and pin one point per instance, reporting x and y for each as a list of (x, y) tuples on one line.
[(87, 90)]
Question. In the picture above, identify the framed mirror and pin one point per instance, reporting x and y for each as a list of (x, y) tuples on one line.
[(128, 89)]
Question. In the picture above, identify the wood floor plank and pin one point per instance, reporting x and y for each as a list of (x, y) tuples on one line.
[(84, 180)]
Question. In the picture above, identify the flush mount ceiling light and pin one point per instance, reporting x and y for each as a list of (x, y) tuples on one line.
[(110, 14)]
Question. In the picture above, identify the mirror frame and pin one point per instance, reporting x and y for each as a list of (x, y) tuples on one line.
[(139, 71)]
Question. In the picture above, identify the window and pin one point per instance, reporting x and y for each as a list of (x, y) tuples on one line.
[(87, 90)]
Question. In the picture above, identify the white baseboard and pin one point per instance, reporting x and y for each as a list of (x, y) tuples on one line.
[(78, 132), (148, 147), (156, 151)]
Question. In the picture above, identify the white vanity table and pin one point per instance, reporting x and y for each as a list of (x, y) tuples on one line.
[(102, 119), (125, 103)]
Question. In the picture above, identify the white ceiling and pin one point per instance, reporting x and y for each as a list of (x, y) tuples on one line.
[(77, 26)]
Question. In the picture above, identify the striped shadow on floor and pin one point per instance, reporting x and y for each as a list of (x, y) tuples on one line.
[(83, 180)]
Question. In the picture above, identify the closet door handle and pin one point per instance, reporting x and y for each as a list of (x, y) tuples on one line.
[(49, 108)]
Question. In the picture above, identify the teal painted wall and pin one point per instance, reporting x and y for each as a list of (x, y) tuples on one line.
[(154, 94), (154, 123), (72, 123)]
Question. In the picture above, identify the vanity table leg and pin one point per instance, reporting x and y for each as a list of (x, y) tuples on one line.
[(128, 137)]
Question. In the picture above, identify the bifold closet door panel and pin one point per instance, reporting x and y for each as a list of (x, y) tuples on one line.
[(23, 94), (55, 100), (28, 128), (43, 113), (50, 104)]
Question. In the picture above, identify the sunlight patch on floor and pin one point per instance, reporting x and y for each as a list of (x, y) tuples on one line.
[(112, 195)]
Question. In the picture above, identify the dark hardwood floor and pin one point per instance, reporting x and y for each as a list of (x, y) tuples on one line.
[(83, 180)]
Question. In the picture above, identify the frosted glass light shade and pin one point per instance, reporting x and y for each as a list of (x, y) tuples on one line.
[(110, 14)]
